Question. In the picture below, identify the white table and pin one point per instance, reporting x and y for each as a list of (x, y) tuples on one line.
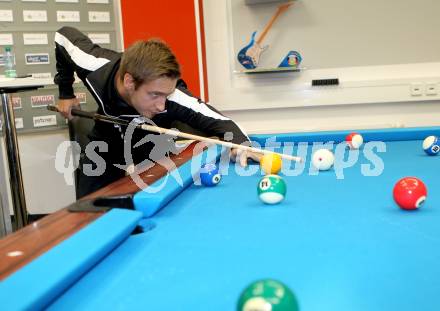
[(7, 87)]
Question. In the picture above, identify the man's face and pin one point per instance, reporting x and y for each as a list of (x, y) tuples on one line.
[(149, 98)]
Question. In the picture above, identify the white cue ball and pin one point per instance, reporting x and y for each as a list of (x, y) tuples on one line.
[(323, 159), (356, 141)]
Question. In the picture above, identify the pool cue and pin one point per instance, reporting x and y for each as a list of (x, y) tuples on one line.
[(161, 130)]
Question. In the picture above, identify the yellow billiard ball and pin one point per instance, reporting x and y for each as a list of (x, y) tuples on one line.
[(271, 163)]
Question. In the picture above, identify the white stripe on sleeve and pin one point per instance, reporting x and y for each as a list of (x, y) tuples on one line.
[(192, 103), (79, 57)]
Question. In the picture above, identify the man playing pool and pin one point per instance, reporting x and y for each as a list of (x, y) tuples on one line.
[(142, 82)]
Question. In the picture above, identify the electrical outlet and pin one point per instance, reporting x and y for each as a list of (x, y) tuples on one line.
[(416, 89), (6, 16), (431, 89), (99, 17), (68, 16), (34, 16)]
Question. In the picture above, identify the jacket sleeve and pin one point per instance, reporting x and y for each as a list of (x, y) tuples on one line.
[(190, 110), (75, 52)]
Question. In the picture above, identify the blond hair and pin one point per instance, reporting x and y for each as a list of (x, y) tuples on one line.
[(149, 60)]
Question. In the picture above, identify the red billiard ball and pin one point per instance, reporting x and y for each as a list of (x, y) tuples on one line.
[(354, 140), (410, 193)]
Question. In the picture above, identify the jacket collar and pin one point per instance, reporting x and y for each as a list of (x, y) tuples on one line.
[(101, 83)]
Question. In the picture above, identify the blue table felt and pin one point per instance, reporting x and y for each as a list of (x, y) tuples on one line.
[(339, 244), (38, 283)]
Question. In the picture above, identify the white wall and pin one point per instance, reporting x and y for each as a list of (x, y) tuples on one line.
[(343, 33), (367, 97), (347, 117), (45, 189)]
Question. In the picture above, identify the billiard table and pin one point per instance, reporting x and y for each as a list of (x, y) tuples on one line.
[(338, 241)]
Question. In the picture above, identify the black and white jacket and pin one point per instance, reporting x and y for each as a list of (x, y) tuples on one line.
[(97, 67)]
